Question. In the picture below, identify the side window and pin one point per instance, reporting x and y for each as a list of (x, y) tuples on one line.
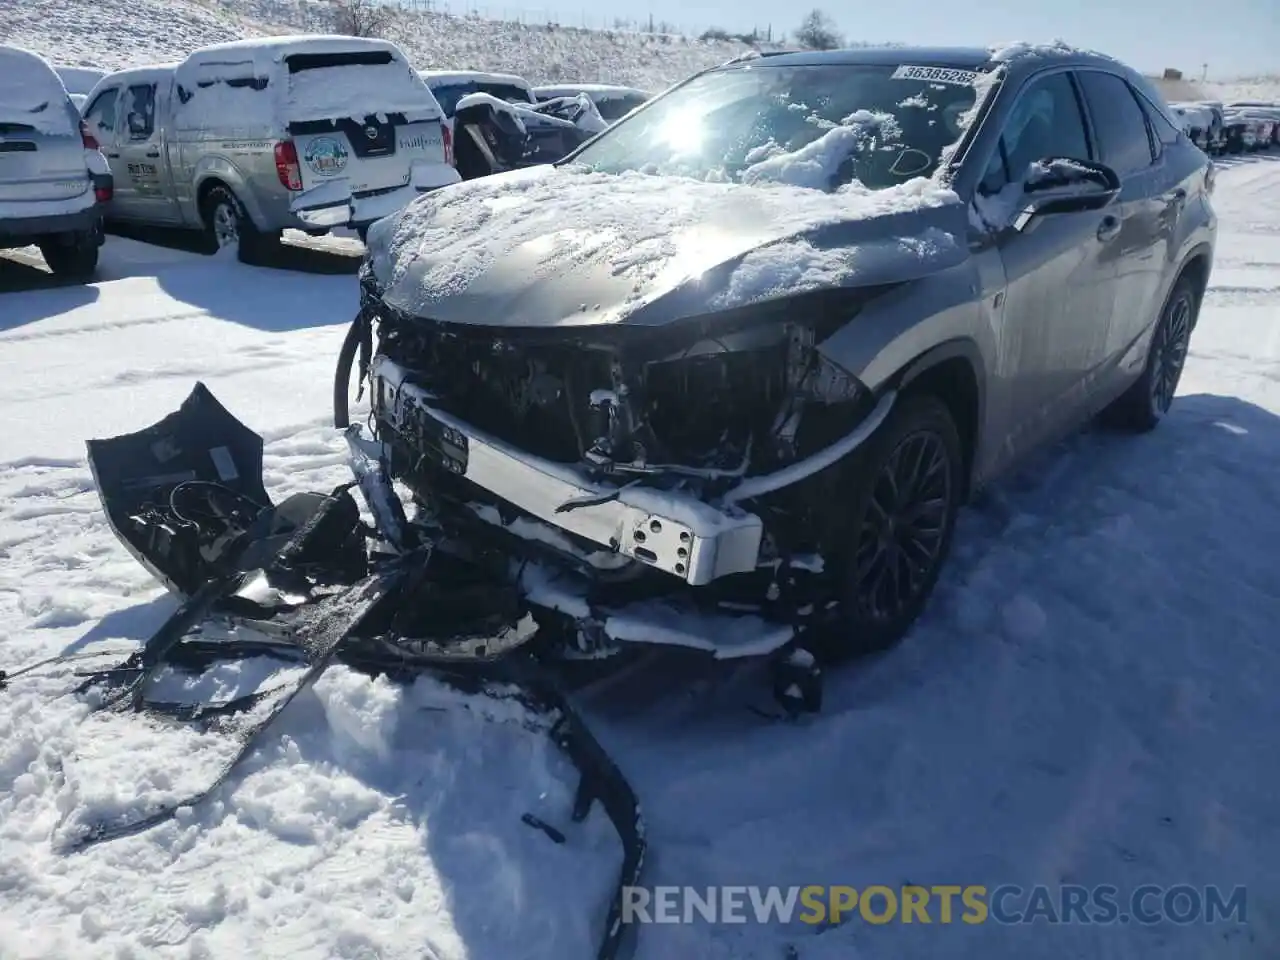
[(1120, 123), (140, 114), (1045, 122), (102, 112)]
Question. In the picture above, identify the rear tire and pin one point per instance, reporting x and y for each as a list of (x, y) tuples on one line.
[(227, 224), (905, 491), (1145, 404), (73, 256)]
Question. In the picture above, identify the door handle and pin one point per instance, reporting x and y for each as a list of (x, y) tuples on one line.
[(1109, 228), (153, 153), (113, 155)]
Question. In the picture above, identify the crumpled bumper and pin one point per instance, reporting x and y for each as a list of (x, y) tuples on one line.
[(672, 531), (333, 205)]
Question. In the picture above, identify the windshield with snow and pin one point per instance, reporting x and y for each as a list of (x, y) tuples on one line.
[(812, 126)]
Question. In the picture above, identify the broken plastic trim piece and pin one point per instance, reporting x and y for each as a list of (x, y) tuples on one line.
[(365, 457), (330, 623), (338, 624)]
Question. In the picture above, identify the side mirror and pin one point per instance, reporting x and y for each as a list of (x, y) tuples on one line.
[(1065, 185)]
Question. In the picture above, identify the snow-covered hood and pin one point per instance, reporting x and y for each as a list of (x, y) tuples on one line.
[(559, 247)]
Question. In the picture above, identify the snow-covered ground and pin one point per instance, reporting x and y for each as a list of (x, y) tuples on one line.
[(1090, 699), (119, 33)]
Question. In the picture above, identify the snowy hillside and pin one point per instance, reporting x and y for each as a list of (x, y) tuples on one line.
[(116, 33), (1252, 88)]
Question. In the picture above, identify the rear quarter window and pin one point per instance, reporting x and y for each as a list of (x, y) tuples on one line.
[(1166, 134)]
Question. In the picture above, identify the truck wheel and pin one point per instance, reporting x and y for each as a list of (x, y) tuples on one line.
[(227, 225), (73, 255)]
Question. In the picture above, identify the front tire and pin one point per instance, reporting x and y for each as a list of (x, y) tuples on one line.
[(907, 487), (73, 256), (1145, 404)]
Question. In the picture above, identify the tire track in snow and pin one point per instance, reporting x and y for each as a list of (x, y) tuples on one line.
[(22, 336)]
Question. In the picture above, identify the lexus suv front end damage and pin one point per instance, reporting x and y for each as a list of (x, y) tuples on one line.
[(721, 379), (724, 375), (654, 486)]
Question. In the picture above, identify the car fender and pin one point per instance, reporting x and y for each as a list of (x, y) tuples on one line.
[(895, 330), (214, 167), (1196, 245)]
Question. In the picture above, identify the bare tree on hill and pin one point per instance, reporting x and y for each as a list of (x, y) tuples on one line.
[(817, 31), (361, 18)]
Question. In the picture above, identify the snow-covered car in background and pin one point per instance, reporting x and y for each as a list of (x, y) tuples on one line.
[(1247, 130), (725, 375), (1204, 123), (1266, 117), (450, 86), (244, 140), (79, 81), (612, 101), (499, 124), (493, 135), (54, 181)]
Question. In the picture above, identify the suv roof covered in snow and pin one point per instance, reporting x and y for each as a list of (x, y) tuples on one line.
[(32, 93)]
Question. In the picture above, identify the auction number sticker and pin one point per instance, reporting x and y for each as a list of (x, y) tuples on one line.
[(958, 78)]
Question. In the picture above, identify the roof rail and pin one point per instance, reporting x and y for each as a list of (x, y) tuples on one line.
[(754, 54)]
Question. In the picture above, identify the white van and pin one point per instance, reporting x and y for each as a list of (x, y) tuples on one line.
[(246, 139)]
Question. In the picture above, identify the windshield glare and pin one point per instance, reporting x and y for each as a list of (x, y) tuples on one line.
[(821, 127)]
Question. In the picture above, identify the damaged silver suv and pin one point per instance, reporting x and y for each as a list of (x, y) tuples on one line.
[(724, 376)]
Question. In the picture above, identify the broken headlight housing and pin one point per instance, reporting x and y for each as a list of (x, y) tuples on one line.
[(694, 400)]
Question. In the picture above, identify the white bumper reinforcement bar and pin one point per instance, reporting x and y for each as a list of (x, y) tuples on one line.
[(672, 531)]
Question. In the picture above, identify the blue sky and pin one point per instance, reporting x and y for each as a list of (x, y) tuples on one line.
[(1235, 37)]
